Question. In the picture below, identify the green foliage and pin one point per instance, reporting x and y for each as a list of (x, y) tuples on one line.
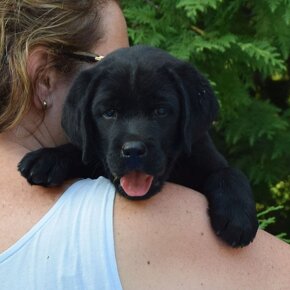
[(193, 8), (281, 193), (243, 47), (265, 220)]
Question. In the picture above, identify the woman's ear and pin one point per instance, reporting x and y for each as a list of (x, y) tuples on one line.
[(42, 77)]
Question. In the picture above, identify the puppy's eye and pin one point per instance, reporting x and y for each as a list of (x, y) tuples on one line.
[(161, 112), (110, 114)]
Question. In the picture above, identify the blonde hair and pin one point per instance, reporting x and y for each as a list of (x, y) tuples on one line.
[(59, 25)]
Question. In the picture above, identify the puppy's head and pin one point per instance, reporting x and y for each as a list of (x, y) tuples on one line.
[(136, 111)]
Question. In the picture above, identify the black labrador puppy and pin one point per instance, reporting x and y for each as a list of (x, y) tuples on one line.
[(141, 117)]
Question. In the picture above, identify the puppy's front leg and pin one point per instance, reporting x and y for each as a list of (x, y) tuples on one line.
[(232, 208), (52, 166)]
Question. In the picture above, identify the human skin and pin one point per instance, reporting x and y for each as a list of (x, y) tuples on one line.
[(162, 243), (167, 243)]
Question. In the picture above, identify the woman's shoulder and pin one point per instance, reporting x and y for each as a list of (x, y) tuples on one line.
[(168, 243)]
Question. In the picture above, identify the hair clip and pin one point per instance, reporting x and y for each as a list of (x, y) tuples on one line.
[(84, 56)]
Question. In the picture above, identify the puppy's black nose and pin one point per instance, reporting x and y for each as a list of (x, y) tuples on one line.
[(134, 149)]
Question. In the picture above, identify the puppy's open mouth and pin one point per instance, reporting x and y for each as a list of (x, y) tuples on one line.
[(136, 183)]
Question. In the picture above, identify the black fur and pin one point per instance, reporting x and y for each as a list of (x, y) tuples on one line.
[(142, 109)]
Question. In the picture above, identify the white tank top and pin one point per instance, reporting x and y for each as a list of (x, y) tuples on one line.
[(70, 248)]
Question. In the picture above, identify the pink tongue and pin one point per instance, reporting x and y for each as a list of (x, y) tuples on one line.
[(136, 183)]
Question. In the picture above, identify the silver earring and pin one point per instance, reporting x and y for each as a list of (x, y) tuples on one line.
[(44, 105)]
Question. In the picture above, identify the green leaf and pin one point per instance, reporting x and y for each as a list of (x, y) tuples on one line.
[(194, 7), (265, 56)]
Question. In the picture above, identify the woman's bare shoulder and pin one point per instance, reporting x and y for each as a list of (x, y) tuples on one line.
[(167, 243)]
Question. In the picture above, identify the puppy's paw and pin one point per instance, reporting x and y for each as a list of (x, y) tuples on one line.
[(233, 223), (232, 208), (47, 167)]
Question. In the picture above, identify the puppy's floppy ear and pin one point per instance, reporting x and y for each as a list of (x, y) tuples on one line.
[(199, 106), (77, 120)]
